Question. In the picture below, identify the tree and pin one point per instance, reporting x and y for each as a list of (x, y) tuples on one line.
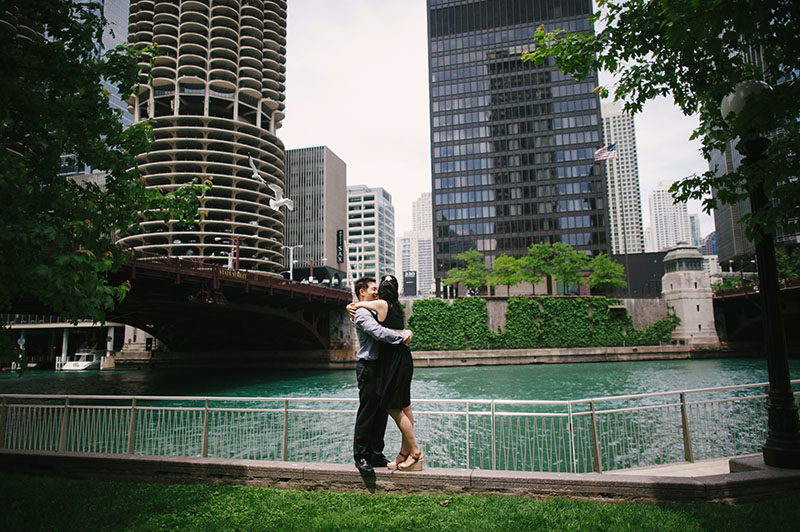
[(727, 283), (697, 52), (567, 265), (606, 275), (788, 263), (473, 275), (505, 271), (57, 240), (535, 266)]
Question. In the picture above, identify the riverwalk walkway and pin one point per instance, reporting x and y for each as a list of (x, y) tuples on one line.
[(716, 481)]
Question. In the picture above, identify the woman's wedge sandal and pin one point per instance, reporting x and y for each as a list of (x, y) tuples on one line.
[(416, 465), (393, 465)]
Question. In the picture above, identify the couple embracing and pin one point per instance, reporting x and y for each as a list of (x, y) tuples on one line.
[(384, 372)]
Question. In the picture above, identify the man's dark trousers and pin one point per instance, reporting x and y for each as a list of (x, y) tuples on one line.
[(370, 418)]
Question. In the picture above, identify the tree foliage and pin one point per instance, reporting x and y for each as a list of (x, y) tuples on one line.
[(788, 263), (57, 237), (473, 275), (567, 265), (606, 275), (535, 265), (505, 271), (727, 283), (697, 52)]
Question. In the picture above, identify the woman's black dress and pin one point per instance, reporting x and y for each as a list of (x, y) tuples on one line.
[(396, 365)]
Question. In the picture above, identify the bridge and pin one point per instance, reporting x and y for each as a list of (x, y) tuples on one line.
[(191, 306), (739, 315)]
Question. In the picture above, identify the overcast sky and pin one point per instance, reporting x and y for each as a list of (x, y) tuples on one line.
[(357, 82)]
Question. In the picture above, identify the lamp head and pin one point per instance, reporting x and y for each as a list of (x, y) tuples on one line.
[(735, 106)]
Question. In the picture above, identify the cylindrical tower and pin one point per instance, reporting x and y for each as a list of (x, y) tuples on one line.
[(215, 98)]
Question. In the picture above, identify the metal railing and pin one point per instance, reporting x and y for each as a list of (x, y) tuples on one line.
[(598, 434)]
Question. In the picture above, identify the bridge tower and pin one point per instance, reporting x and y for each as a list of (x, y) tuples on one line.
[(687, 289), (215, 97)]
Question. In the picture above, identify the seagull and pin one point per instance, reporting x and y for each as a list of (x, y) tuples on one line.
[(279, 200), (256, 175)]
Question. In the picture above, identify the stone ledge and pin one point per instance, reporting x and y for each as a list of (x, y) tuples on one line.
[(734, 487)]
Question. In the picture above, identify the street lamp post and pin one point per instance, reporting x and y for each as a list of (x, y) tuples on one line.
[(291, 258), (782, 446)]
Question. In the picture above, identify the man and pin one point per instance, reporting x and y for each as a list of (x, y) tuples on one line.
[(370, 418)]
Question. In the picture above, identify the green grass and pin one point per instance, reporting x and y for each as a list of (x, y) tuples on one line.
[(45, 503)]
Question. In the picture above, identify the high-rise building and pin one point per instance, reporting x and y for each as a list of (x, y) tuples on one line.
[(214, 96), (370, 232), (669, 221), (694, 230), (622, 175), (709, 244), (416, 247), (733, 246), (421, 213), (512, 144), (316, 181)]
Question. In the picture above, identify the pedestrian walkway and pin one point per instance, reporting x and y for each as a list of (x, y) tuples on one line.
[(687, 469)]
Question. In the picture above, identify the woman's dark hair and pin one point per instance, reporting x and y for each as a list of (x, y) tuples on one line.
[(387, 290)]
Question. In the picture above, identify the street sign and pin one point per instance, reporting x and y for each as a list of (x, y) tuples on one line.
[(21, 343)]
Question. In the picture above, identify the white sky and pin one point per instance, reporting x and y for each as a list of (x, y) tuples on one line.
[(357, 82)]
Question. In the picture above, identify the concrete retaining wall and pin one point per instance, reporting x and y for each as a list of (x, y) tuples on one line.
[(760, 482)]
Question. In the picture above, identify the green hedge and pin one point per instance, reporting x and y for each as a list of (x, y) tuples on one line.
[(531, 322)]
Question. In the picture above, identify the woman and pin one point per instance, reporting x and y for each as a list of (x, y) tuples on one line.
[(397, 368)]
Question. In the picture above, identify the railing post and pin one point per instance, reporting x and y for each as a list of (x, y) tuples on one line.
[(597, 464), (468, 457), (687, 438), (204, 441), (571, 429), (3, 415), (285, 449), (132, 428), (62, 438), (494, 448)]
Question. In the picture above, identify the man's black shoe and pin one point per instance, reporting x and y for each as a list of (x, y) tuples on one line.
[(364, 466), (379, 461)]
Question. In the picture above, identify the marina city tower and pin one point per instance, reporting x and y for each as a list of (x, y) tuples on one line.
[(214, 95)]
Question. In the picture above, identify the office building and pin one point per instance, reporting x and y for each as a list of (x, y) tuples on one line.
[(733, 246), (694, 230), (709, 244), (416, 248), (214, 95), (669, 221), (512, 144), (316, 181), (422, 214), (370, 232), (622, 181)]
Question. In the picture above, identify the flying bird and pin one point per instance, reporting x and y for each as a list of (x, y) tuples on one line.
[(279, 200), (256, 175)]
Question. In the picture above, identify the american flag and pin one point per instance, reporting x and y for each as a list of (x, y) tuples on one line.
[(606, 152)]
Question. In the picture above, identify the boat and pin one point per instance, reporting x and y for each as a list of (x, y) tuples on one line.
[(84, 359)]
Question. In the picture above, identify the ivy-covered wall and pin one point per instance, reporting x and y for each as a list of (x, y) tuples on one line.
[(531, 322)]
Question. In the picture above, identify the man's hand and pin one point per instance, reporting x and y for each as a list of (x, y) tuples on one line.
[(408, 335), (351, 309)]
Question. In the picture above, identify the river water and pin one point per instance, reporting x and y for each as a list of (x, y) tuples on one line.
[(530, 382)]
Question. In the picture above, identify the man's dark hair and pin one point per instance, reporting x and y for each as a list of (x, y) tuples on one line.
[(362, 284)]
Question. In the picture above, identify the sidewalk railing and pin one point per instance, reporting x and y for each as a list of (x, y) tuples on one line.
[(597, 434)]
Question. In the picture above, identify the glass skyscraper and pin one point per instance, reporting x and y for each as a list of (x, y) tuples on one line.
[(512, 144)]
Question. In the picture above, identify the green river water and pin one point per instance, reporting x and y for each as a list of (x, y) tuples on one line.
[(530, 382)]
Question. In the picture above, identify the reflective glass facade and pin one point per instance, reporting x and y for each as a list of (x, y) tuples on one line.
[(512, 144)]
